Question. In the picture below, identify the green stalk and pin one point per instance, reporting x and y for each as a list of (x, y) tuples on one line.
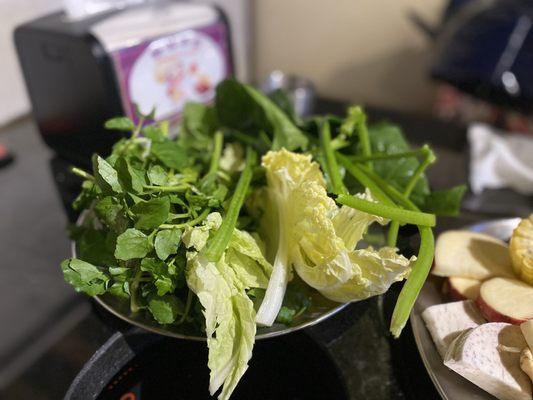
[(81, 173), (134, 288), (414, 283), (170, 189), (331, 162), (392, 213), (387, 156), (364, 139), (390, 190), (187, 307), (429, 158), (357, 172), (217, 151), (220, 240), (192, 222)]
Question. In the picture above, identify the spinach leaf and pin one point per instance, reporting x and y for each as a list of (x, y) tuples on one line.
[(84, 276), (388, 139), (445, 202), (152, 213), (245, 109), (132, 244)]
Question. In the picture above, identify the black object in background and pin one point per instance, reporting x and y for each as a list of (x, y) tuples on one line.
[(485, 48)]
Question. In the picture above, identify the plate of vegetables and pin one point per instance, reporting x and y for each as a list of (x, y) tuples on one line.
[(250, 222)]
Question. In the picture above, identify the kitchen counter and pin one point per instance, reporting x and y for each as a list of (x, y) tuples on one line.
[(51, 332)]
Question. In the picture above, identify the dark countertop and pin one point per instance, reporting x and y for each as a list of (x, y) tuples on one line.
[(51, 332)]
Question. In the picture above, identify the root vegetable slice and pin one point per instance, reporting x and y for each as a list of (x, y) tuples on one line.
[(506, 300), (463, 288), (521, 248), (471, 255), (479, 355), (527, 331), (446, 321), (526, 362)]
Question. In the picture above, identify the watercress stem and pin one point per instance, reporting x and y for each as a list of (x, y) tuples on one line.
[(429, 158), (218, 141), (220, 240), (386, 156), (192, 222), (171, 189), (331, 162), (392, 213), (357, 172), (81, 173), (134, 287)]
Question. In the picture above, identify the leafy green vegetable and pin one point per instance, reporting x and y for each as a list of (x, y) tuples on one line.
[(388, 139), (165, 309), (167, 242), (152, 213), (243, 108), (445, 202), (132, 244), (120, 124), (84, 277), (105, 175), (170, 153), (185, 227)]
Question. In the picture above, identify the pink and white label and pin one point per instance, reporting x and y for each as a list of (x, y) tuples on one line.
[(168, 72)]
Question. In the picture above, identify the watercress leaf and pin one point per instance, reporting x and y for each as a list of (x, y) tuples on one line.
[(110, 212), (167, 242), (170, 153), (157, 175), (285, 315), (95, 246), (120, 277), (105, 175), (161, 273), (165, 309), (119, 124), (132, 244), (154, 133), (445, 202), (84, 276), (130, 175), (244, 108), (86, 196), (152, 213)]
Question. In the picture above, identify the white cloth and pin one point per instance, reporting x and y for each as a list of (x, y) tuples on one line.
[(500, 161)]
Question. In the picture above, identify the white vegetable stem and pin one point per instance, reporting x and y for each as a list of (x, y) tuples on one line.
[(277, 285)]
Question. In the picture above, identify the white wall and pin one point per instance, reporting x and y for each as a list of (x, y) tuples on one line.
[(357, 50), (13, 100)]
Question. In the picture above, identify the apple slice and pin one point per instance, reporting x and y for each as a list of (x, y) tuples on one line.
[(463, 288), (527, 331), (471, 255), (506, 300), (446, 321), (487, 356)]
